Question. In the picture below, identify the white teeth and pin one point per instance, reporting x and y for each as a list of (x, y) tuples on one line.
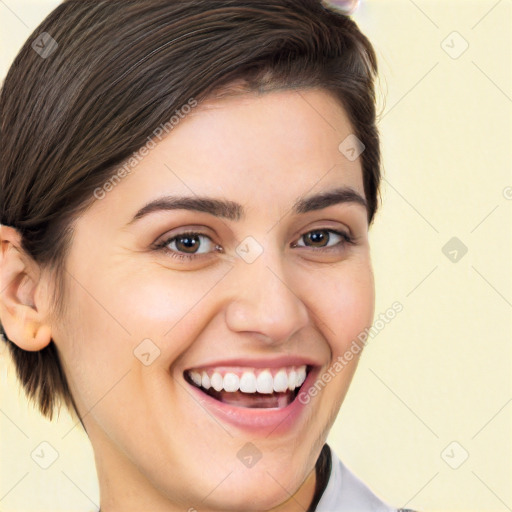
[(288, 378), (248, 382), (231, 382), (264, 382), (301, 375), (217, 381), (292, 380), (196, 378), (205, 381), (280, 381)]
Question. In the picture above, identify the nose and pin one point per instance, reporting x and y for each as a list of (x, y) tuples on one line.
[(264, 302)]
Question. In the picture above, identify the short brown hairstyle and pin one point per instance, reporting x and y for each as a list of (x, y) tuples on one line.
[(120, 70)]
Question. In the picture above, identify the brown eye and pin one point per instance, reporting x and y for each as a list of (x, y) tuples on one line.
[(188, 243), (319, 238)]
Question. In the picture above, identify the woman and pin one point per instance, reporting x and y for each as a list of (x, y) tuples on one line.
[(187, 189)]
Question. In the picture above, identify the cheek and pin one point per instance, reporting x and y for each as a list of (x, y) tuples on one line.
[(94, 344), (111, 325), (134, 305), (169, 307), (343, 303)]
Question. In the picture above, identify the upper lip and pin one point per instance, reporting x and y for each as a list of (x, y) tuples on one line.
[(260, 362)]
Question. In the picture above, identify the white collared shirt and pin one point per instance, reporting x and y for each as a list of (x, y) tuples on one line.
[(345, 492)]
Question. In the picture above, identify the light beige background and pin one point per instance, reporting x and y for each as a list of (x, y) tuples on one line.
[(434, 385)]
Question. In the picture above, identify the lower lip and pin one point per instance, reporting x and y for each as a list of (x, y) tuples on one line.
[(258, 420)]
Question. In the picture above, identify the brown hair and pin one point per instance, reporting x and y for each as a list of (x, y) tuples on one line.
[(121, 69)]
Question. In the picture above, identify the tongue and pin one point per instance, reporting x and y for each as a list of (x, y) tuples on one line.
[(253, 400)]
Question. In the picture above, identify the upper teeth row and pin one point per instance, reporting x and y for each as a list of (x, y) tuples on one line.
[(285, 379)]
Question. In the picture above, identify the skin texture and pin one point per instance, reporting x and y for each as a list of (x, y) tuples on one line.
[(156, 448)]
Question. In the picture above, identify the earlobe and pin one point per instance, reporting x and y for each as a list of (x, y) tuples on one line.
[(26, 335), (22, 322), (40, 339)]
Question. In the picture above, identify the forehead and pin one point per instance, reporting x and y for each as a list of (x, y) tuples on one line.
[(265, 149)]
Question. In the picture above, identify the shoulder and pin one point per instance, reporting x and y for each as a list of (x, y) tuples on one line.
[(345, 492)]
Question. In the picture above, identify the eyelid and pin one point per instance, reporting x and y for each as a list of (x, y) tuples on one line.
[(184, 230)]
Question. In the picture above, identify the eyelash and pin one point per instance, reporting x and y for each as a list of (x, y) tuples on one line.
[(162, 246)]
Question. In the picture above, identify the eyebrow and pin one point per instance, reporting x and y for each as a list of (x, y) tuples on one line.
[(234, 211)]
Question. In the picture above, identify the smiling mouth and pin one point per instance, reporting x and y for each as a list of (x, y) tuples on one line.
[(266, 389)]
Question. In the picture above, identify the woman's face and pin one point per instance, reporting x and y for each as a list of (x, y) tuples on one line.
[(262, 289)]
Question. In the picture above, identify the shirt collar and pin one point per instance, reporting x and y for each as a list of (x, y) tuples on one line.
[(345, 492)]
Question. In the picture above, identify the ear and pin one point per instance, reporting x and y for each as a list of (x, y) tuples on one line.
[(22, 321)]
